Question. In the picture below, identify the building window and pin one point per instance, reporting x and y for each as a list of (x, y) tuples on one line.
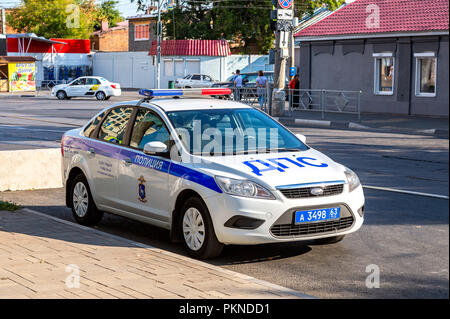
[(426, 69), (141, 32), (384, 73)]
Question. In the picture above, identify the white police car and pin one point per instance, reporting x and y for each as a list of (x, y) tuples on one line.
[(211, 171), (87, 86)]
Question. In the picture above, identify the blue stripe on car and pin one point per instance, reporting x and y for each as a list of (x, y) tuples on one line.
[(141, 159)]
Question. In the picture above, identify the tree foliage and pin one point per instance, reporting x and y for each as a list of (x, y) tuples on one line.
[(61, 18), (246, 21), (107, 11)]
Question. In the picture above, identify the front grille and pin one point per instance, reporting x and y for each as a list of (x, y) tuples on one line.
[(305, 192), (289, 230)]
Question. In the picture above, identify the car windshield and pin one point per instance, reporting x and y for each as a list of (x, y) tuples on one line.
[(232, 132)]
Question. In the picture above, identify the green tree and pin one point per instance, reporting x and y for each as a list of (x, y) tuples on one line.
[(247, 21), (55, 19), (107, 11)]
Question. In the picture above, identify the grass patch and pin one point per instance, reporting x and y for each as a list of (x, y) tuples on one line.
[(9, 206)]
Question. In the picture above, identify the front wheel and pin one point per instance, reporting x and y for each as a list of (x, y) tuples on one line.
[(61, 95), (197, 230), (329, 240), (83, 207)]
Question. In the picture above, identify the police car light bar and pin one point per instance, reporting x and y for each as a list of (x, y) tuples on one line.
[(184, 92)]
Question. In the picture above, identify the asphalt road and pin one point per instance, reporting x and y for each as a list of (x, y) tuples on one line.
[(406, 236)]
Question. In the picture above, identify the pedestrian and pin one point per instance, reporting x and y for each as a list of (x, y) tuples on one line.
[(261, 84), (238, 85), (294, 87)]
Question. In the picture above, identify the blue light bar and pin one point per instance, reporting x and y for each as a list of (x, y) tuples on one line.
[(152, 93), (180, 92)]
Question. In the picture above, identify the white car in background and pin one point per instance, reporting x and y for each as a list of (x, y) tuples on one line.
[(195, 80), (94, 86)]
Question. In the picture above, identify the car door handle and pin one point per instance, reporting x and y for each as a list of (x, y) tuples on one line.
[(127, 161), (91, 152)]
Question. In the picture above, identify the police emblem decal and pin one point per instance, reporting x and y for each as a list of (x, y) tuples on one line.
[(141, 189)]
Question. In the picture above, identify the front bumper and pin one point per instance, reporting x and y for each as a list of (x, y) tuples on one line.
[(277, 217)]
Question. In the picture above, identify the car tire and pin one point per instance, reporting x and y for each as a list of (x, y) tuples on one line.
[(329, 240), (61, 95), (83, 207), (100, 96), (197, 230)]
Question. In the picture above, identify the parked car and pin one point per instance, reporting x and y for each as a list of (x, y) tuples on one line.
[(194, 81), (94, 86), (249, 84)]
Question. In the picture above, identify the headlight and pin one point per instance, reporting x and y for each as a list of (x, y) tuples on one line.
[(352, 179), (243, 188)]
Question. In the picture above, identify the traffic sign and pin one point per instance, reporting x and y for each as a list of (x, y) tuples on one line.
[(285, 14), (285, 4)]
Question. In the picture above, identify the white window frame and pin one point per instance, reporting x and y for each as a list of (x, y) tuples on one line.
[(419, 56), (376, 88), (139, 25)]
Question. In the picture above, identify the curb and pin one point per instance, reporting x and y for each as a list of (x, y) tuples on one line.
[(356, 126), (183, 258)]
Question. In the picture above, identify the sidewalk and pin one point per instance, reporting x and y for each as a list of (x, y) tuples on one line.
[(40, 253), (369, 121)]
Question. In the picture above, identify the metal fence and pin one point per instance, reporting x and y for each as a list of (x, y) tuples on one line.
[(337, 101), (251, 96)]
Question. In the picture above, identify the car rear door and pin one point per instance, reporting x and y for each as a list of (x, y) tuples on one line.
[(104, 154), (196, 81), (143, 178)]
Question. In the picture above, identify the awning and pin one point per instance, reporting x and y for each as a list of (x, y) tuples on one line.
[(192, 48)]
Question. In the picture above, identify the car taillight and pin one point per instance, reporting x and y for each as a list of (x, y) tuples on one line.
[(62, 148), (113, 86)]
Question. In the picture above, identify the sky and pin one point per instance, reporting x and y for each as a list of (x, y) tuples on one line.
[(125, 7)]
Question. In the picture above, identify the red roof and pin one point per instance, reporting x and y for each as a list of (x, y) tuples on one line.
[(394, 16), (192, 47)]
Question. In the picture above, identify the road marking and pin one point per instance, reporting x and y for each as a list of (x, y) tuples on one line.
[(31, 129), (387, 189), (174, 255)]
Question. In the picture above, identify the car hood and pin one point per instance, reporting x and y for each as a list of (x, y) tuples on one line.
[(274, 169), (59, 86)]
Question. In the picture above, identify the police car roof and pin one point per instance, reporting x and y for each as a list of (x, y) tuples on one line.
[(182, 104)]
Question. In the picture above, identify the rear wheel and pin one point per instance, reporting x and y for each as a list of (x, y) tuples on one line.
[(83, 207), (61, 95), (100, 96), (329, 240), (197, 230)]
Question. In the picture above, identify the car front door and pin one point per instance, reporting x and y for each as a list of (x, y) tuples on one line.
[(103, 154), (76, 88), (143, 178)]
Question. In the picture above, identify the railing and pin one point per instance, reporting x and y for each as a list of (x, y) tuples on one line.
[(337, 101), (256, 97)]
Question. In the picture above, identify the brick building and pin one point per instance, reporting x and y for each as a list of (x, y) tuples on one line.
[(110, 39), (141, 32)]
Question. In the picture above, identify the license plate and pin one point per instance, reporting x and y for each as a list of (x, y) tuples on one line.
[(315, 215)]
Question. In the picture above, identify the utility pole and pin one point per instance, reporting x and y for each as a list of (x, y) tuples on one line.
[(158, 40), (284, 26)]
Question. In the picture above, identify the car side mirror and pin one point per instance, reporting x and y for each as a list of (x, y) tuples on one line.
[(301, 137), (155, 148)]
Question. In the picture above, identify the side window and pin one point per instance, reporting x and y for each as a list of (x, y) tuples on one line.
[(196, 77), (89, 130), (92, 81), (114, 126), (76, 82), (148, 127), (207, 78)]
